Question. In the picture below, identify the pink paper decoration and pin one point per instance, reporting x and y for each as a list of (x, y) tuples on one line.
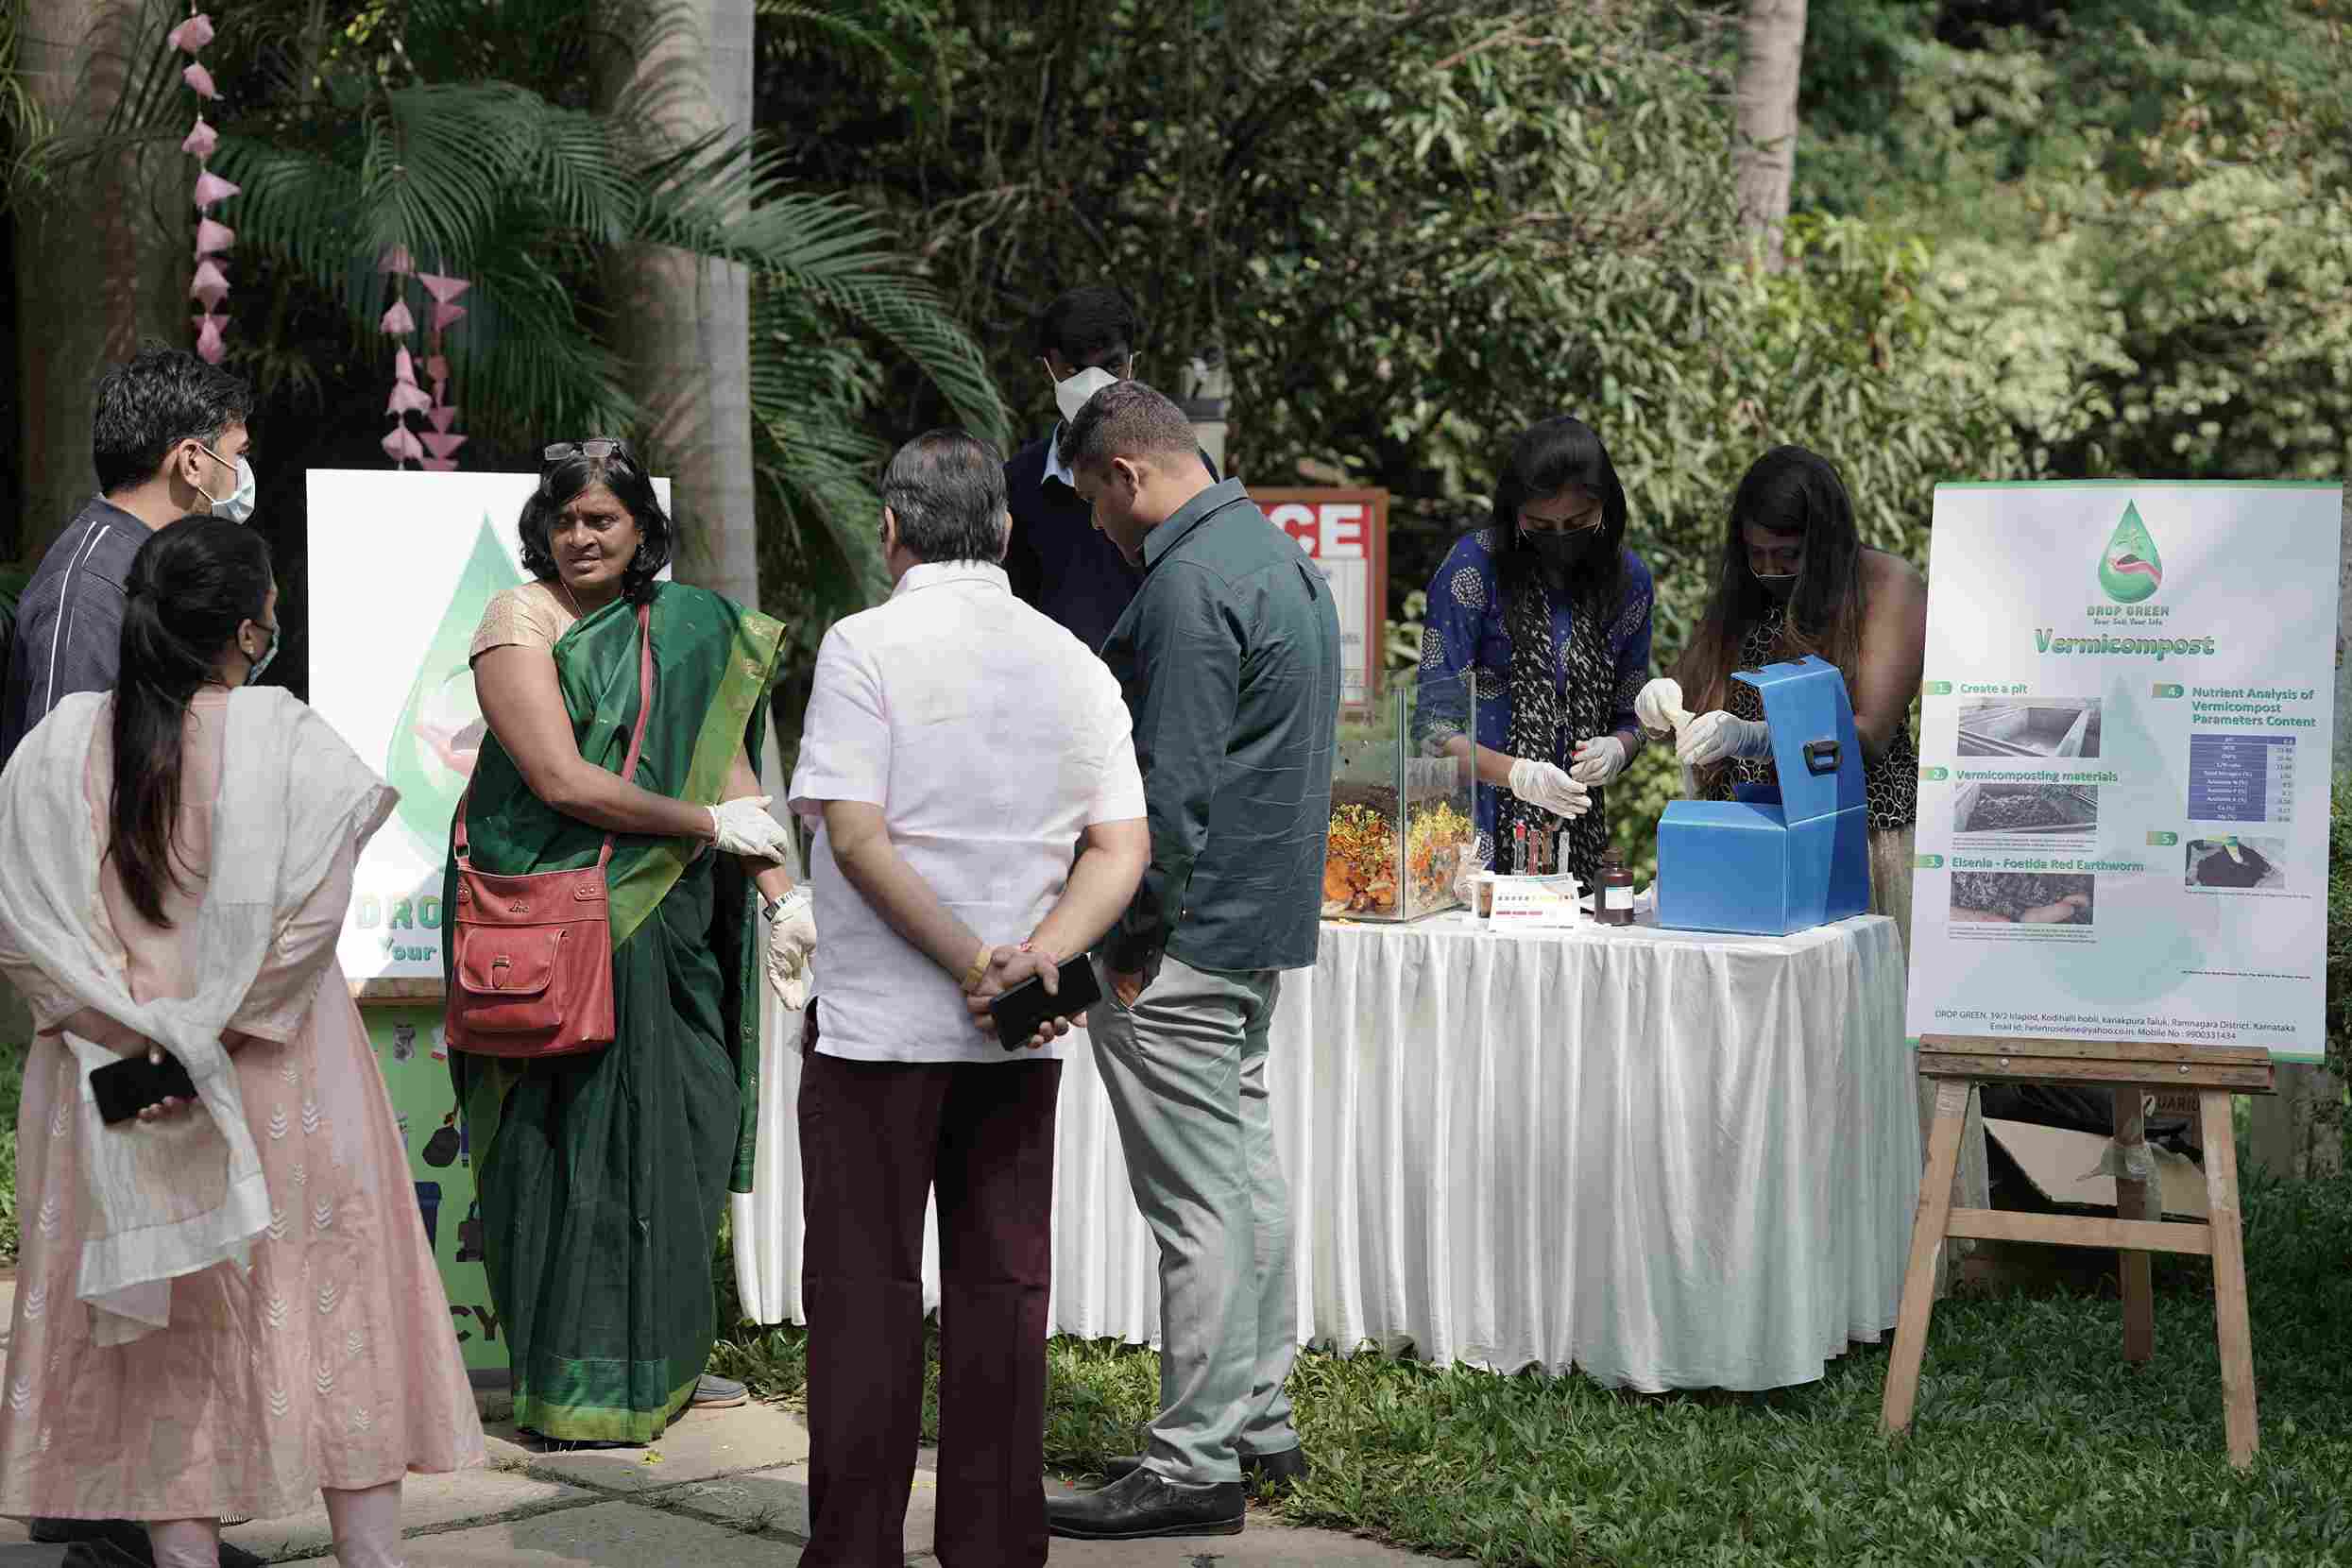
[(397, 321), (438, 369), (407, 396), (438, 465), (199, 81), (442, 445), (447, 316), (444, 289), (403, 369), (190, 35), (211, 188), (401, 444), (210, 284), (208, 347), (443, 415), (200, 141), (212, 238), (396, 260)]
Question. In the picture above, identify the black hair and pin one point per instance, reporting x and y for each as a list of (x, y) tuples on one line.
[(1551, 456), (946, 490), (192, 585), (625, 477), (1094, 326), (1791, 492), (151, 403), (1127, 418)]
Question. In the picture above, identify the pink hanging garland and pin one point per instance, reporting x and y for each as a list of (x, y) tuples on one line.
[(210, 286), (403, 444)]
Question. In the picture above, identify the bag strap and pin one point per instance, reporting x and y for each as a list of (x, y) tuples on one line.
[(636, 741)]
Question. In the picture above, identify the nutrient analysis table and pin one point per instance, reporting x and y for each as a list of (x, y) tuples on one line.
[(2242, 777)]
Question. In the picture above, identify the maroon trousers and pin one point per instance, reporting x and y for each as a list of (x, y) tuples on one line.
[(876, 1139)]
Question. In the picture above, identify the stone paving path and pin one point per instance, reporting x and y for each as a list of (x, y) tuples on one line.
[(723, 1489)]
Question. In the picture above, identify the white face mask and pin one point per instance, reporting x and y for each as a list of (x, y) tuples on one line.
[(238, 505), (1072, 395), (272, 653)]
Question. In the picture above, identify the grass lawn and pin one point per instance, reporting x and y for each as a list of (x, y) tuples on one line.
[(2033, 1443)]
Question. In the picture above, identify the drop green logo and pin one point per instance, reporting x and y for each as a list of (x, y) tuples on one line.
[(2129, 568), (440, 734)]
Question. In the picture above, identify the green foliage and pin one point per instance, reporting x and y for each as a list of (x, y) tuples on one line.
[(2340, 948), (11, 1091), (2035, 1442)]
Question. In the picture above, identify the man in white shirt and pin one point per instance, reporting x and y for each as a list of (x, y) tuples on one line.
[(959, 747)]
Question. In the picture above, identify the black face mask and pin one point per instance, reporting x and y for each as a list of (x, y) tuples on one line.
[(1779, 587), (1562, 552)]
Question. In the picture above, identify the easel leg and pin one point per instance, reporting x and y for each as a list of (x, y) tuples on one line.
[(2229, 1277), (1927, 1235), (2132, 1202)]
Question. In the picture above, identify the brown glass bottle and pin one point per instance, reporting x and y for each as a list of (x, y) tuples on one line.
[(1614, 905)]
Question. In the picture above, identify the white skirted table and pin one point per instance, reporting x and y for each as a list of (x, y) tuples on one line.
[(1669, 1159)]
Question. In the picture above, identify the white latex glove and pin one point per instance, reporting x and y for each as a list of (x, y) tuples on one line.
[(1544, 786), (1713, 737), (743, 828), (1658, 708), (1597, 762), (792, 938)]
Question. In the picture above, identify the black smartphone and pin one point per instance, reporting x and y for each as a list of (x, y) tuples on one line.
[(1019, 1012), (125, 1088)]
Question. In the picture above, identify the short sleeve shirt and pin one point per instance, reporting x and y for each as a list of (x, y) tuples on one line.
[(532, 616), (991, 738)]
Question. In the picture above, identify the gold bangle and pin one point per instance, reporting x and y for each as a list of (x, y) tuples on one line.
[(979, 971)]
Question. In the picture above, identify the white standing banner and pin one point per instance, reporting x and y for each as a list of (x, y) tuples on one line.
[(2125, 744), (401, 566)]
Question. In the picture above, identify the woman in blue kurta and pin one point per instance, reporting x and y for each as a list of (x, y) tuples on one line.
[(1545, 616)]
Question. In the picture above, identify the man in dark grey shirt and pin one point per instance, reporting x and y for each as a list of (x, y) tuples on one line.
[(1229, 657), (168, 440)]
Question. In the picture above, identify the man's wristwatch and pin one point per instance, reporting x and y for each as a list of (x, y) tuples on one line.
[(774, 908)]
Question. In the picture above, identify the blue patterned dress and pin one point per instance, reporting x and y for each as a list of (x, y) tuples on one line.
[(1467, 632)]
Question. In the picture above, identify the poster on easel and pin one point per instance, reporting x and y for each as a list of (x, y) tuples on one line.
[(1345, 533), (2126, 735), (401, 567)]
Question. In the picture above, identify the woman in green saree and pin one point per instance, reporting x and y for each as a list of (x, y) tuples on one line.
[(603, 1175)]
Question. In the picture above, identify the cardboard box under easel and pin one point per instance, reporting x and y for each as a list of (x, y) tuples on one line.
[(2054, 1159)]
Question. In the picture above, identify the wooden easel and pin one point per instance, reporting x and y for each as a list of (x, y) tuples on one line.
[(1957, 1064)]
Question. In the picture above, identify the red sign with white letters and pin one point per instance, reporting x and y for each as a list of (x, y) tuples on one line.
[(1346, 534)]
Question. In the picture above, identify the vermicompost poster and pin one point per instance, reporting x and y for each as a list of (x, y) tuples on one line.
[(2125, 742)]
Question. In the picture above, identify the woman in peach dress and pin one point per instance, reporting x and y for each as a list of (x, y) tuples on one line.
[(225, 1306)]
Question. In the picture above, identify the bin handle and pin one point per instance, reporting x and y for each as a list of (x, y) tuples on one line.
[(1821, 757)]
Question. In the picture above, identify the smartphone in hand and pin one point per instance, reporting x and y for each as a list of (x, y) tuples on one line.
[(125, 1088), (1019, 1013)]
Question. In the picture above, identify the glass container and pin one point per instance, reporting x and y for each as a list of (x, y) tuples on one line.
[(1401, 825)]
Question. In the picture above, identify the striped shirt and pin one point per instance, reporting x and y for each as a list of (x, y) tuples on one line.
[(69, 624)]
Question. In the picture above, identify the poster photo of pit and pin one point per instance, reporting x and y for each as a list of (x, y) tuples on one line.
[(2123, 761)]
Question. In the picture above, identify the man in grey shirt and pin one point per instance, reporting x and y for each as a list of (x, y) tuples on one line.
[(169, 438), (1229, 659)]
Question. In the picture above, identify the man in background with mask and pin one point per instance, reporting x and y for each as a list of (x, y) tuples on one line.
[(1058, 563), (168, 440)]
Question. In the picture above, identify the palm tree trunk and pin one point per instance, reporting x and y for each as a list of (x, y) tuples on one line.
[(683, 324), (1772, 48), (101, 259)]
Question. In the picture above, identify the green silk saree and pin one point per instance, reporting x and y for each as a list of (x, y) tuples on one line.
[(603, 1175)]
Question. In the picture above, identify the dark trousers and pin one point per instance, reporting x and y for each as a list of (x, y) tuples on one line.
[(876, 1139)]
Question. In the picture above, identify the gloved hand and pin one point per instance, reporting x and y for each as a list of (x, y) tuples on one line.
[(1659, 707), (1713, 737), (1597, 762), (743, 828), (792, 940), (1544, 786)]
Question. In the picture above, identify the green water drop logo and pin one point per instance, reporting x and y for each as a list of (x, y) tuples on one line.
[(440, 734), (2129, 568)]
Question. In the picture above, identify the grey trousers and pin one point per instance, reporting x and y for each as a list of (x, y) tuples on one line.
[(1186, 1073)]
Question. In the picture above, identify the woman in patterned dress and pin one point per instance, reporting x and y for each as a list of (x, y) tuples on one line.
[(226, 1305), (1545, 616)]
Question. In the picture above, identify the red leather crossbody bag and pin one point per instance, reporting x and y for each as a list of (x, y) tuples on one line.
[(532, 974)]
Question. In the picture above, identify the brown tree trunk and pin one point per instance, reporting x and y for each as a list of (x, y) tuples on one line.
[(682, 323), (1772, 50), (102, 256)]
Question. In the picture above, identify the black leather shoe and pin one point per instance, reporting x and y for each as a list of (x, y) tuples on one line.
[(1281, 1471), (1141, 1505)]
